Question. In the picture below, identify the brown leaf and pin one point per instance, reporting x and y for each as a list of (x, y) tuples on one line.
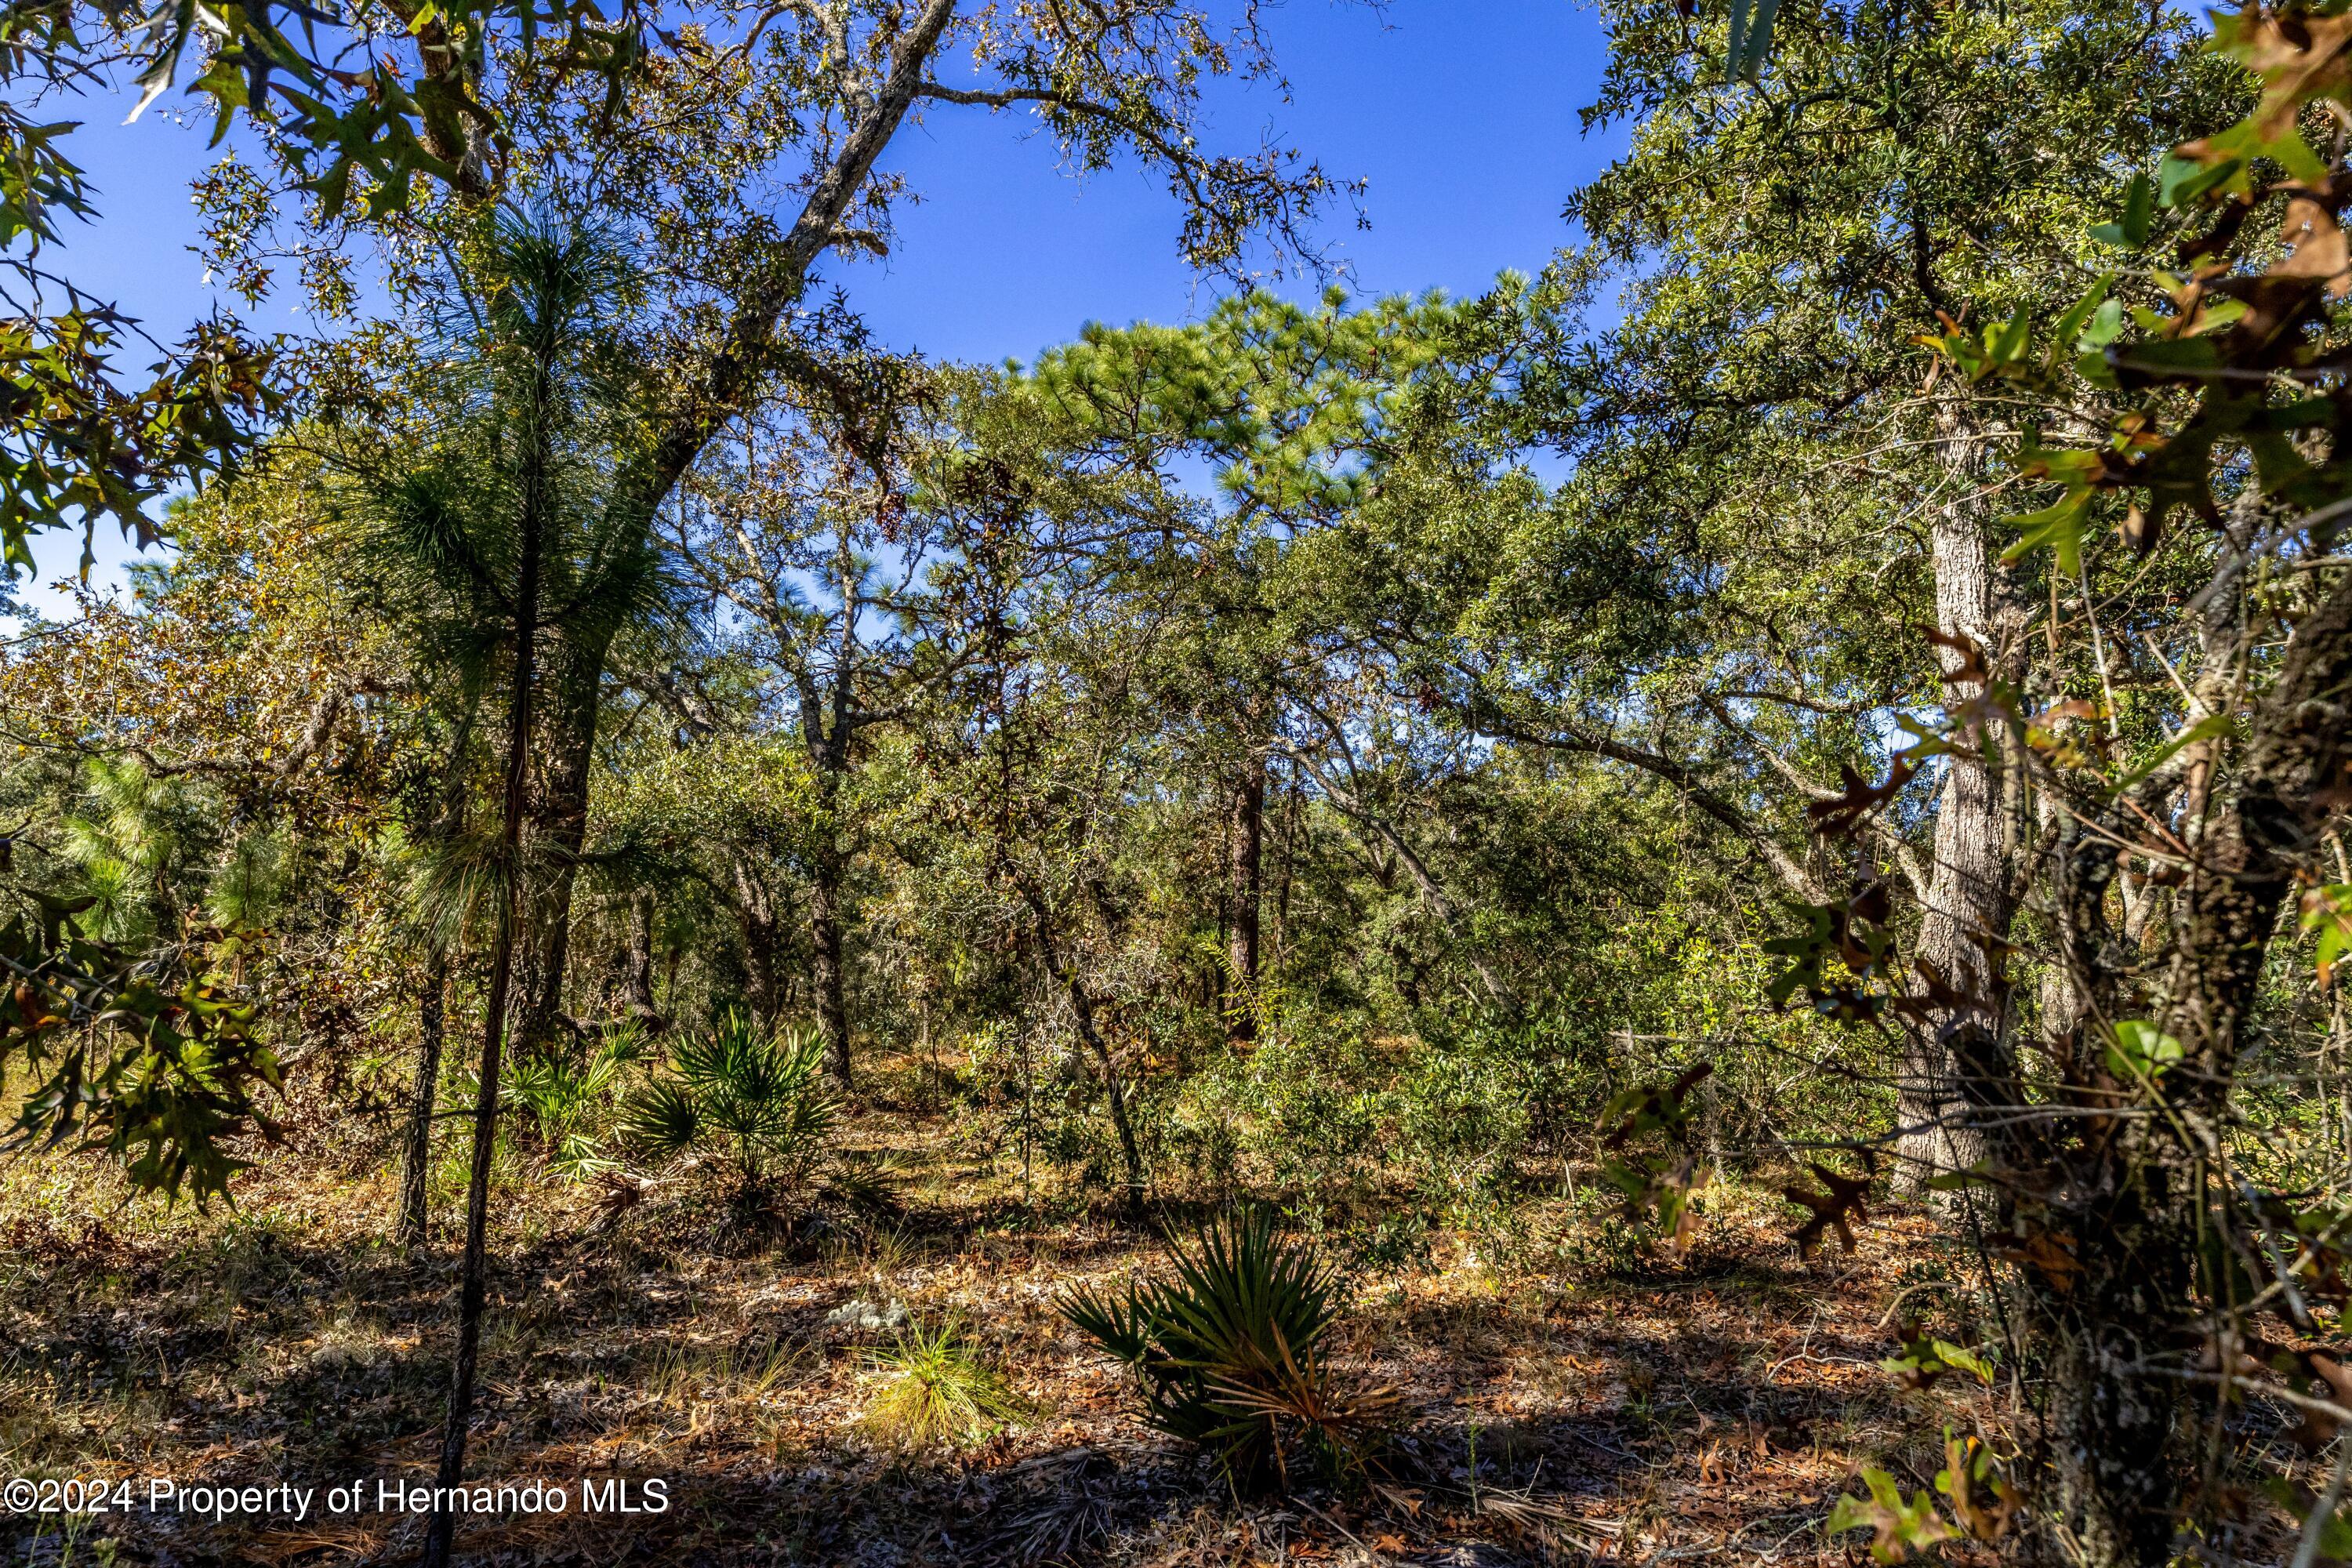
[(1831, 1211), (1985, 1519), (2318, 247), (1972, 668), (2051, 1255), (1861, 797)]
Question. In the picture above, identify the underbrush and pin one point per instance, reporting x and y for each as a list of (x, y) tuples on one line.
[(785, 1382), (902, 1373)]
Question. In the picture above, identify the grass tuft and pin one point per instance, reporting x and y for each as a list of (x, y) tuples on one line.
[(939, 1391)]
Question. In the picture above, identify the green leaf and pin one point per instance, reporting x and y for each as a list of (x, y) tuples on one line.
[(2139, 211), (2005, 344), (2057, 528), (1967, 1360), (1898, 1528), (2070, 328), (2206, 729), (2328, 910), (2139, 1050), (2106, 322)]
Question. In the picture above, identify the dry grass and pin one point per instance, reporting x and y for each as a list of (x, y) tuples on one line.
[(1551, 1410), (935, 1389)]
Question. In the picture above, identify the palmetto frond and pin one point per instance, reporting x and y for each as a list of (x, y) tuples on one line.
[(1228, 1353), (662, 1120), (759, 1093)]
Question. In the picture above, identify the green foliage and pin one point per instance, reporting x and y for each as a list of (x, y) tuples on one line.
[(1231, 1352), (2327, 910), (757, 1094), (1924, 1358), (2137, 1050), (79, 442), (125, 844), (1307, 1107), (1287, 402), (939, 1391), (2209, 364), (249, 886), (1843, 958), (576, 1103), (1983, 1501), (1463, 1108), (1897, 1528), (162, 1075)]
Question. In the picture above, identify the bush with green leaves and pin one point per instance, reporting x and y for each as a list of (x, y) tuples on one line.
[(1232, 1354), (575, 1104), (1310, 1110), (755, 1094)]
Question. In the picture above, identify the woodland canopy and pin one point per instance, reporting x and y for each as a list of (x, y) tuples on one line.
[(1691, 907)]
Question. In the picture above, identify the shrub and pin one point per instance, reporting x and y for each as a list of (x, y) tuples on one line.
[(758, 1095), (1463, 1111), (1308, 1109), (939, 1391), (574, 1103), (1230, 1353)]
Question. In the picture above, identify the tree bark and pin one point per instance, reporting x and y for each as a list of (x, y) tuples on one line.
[(637, 981), (1970, 901), (1247, 827), (727, 382), (417, 1154), (2123, 1199), (1082, 1011), (755, 911), (559, 832), (826, 970)]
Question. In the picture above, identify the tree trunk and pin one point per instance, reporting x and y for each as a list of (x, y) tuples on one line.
[(558, 831), (1082, 1010), (2129, 1208), (756, 913), (2119, 1476), (418, 1152), (1246, 826), (1288, 860), (637, 981), (826, 965), (1969, 902), (475, 1269)]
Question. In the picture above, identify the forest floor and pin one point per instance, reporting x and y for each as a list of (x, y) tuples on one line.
[(1550, 1410)]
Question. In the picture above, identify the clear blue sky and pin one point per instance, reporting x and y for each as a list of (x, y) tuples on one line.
[(1462, 114)]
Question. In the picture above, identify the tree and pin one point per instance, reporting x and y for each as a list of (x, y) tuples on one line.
[(79, 443), (501, 518), (807, 538), (2212, 432), (822, 91), (1783, 245), (1290, 407), (2177, 764), (195, 771)]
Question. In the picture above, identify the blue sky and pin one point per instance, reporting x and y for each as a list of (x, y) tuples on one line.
[(1462, 114)]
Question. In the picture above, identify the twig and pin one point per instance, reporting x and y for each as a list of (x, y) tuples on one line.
[(2315, 1527)]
